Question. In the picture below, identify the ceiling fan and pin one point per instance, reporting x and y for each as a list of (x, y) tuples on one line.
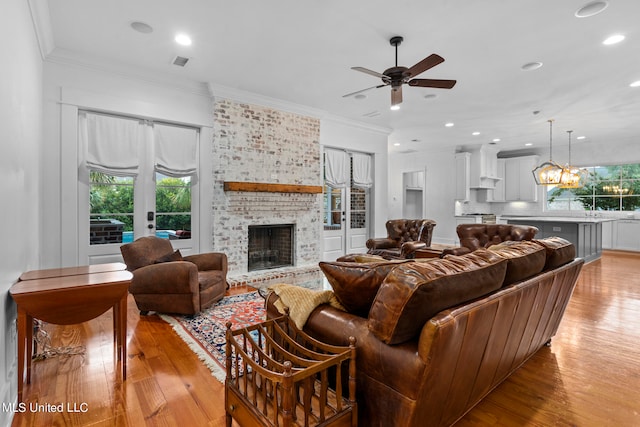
[(397, 76)]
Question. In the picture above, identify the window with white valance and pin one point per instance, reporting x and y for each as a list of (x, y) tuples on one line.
[(361, 170), (110, 143), (175, 150), (336, 168)]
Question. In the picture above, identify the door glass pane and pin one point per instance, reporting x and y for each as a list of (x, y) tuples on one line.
[(358, 207), (111, 213), (173, 207), (332, 208)]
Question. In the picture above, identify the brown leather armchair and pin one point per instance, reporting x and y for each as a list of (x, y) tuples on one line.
[(164, 281), (404, 237), (475, 236)]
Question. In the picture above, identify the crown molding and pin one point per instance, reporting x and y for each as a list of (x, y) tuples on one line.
[(72, 59), (226, 92), (41, 20)]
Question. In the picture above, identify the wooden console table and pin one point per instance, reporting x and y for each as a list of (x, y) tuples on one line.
[(66, 297)]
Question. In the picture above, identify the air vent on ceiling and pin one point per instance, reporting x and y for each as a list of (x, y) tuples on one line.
[(372, 114), (180, 61)]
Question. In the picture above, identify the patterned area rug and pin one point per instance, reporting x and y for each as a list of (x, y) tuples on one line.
[(205, 332)]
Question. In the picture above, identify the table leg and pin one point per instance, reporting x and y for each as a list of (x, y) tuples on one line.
[(25, 336), (122, 334)]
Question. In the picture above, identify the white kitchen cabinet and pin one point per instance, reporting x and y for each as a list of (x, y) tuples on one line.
[(496, 194), (463, 161), (484, 164), (627, 235), (519, 184), (607, 235)]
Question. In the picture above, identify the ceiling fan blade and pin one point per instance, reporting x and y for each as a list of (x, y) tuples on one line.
[(440, 84), (422, 66), (370, 72), (396, 95), (363, 90)]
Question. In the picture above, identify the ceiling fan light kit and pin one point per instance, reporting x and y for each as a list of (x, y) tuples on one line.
[(398, 76)]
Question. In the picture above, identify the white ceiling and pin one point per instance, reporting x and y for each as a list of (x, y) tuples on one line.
[(302, 51)]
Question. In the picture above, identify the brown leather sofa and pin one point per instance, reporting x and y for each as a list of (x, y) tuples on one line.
[(165, 281), (436, 336), (475, 236), (404, 237)]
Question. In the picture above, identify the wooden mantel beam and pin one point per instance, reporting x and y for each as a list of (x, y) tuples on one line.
[(263, 187)]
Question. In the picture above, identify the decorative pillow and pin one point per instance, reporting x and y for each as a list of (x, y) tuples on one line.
[(356, 284), (171, 256), (524, 259), (360, 258), (413, 293), (559, 251)]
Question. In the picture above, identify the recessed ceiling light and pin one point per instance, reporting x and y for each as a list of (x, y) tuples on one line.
[(581, 137), (449, 125), (496, 139), (530, 66), (475, 133), (142, 27), (616, 38), (183, 39), (635, 84), (590, 9), (528, 144), (396, 144), (395, 107)]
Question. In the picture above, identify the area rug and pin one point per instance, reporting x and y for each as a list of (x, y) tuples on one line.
[(205, 333)]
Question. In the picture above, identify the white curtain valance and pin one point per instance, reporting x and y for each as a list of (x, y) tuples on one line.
[(111, 143), (362, 170), (175, 150), (336, 170)]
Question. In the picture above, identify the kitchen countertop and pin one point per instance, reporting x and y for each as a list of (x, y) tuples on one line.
[(570, 219)]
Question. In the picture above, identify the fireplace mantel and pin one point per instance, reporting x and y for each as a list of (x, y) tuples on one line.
[(264, 187)]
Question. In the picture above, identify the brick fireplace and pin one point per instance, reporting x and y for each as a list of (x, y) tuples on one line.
[(270, 246), (255, 144)]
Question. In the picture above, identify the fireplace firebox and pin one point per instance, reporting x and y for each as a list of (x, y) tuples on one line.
[(270, 246)]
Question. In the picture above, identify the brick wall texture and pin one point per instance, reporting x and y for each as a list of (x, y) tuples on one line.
[(259, 144)]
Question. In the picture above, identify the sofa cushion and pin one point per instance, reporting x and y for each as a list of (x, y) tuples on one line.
[(559, 251), (413, 293), (524, 259), (356, 284)]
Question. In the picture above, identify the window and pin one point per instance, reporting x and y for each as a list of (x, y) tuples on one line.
[(173, 207), (111, 208), (607, 188)]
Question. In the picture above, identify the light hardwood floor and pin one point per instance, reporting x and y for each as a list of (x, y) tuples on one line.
[(590, 376)]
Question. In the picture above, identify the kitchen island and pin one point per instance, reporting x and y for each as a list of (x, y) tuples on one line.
[(584, 232)]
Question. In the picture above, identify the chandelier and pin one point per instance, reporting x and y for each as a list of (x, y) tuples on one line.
[(572, 177), (549, 173)]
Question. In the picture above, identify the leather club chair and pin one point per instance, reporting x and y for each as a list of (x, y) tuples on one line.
[(475, 236), (404, 237), (164, 281)]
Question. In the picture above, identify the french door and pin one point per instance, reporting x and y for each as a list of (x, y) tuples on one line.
[(116, 209), (346, 218)]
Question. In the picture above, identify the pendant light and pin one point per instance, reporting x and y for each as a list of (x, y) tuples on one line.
[(572, 177), (549, 173)]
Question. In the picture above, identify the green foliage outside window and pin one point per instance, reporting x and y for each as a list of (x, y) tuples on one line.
[(607, 188), (112, 197)]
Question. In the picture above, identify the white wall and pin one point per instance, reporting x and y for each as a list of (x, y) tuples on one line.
[(20, 144), (439, 192), (68, 86), (337, 133)]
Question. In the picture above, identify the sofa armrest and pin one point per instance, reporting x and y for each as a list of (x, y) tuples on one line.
[(382, 243), (408, 248), (176, 277), (456, 251), (209, 261)]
